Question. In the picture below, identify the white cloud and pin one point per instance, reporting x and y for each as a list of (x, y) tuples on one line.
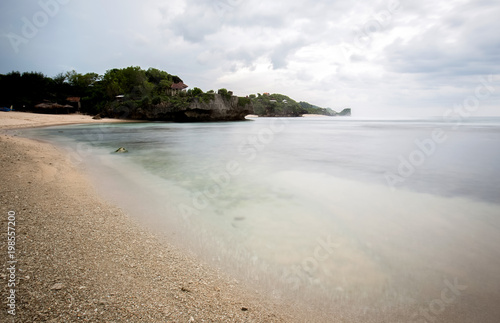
[(412, 57)]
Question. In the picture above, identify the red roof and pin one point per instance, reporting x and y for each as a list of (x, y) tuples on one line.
[(178, 86)]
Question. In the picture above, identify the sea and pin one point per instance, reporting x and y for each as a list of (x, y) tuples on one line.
[(360, 217)]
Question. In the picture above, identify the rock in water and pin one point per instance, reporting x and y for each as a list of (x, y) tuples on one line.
[(121, 150)]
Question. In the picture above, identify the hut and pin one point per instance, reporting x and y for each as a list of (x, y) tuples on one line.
[(54, 108), (76, 101), (179, 86)]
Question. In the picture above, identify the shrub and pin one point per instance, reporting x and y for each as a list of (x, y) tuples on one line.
[(145, 102), (156, 100), (243, 101), (224, 93)]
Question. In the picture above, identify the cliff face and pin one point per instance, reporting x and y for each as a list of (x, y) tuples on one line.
[(344, 113), (218, 108)]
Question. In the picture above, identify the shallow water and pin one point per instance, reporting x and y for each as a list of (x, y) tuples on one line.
[(352, 214)]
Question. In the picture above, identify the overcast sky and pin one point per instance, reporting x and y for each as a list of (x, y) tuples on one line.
[(386, 58)]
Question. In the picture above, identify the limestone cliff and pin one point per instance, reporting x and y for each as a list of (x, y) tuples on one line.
[(344, 113), (216, 108)]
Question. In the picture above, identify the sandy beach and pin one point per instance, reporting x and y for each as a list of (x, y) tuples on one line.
[(79, 258), (13, 120)]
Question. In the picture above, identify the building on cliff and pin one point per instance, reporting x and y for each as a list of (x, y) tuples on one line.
[(179, 86)]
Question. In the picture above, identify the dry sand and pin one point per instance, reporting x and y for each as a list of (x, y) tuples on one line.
[(12, 120), (79, 258)]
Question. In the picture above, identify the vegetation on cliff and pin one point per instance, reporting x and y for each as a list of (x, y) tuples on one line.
[(135, 93), (313, 109), (279, 105), (127, 92), (275, 105)]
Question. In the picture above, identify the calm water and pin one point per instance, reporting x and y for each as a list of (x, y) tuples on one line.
[(361, 215)]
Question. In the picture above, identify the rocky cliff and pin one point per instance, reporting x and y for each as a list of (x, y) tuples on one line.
[(216, 107), (343, 113)]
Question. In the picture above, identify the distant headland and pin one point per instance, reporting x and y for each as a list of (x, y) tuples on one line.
[(279, 105), (134, 93)]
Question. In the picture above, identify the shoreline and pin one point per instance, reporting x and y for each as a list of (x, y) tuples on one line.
[(17, 120), (80, 257)]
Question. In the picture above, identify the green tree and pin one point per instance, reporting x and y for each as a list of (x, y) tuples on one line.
[(196, 92)]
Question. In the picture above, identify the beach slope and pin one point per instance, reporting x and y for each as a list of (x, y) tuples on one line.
[(79, 258)]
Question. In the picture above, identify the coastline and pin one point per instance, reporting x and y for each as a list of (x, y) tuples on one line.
[(79, 257), (314, 116), (17, 120)]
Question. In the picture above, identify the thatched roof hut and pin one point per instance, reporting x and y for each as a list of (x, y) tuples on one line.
[(55, 108), (73, 99), (48, 105)]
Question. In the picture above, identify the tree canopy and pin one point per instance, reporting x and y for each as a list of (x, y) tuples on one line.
[(279, 105), (129, 89), (25, 90)]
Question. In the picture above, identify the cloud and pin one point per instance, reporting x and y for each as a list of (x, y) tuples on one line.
[(197, 20), (408, 56), (463, 43)]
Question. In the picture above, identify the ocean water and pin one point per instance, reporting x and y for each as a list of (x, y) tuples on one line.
[(362, 217)]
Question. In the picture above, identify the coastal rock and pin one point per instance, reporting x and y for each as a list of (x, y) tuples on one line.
[(218, 108), (345, 113), (121, 150)]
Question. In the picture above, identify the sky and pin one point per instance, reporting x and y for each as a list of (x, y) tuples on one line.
[(384, 58)]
